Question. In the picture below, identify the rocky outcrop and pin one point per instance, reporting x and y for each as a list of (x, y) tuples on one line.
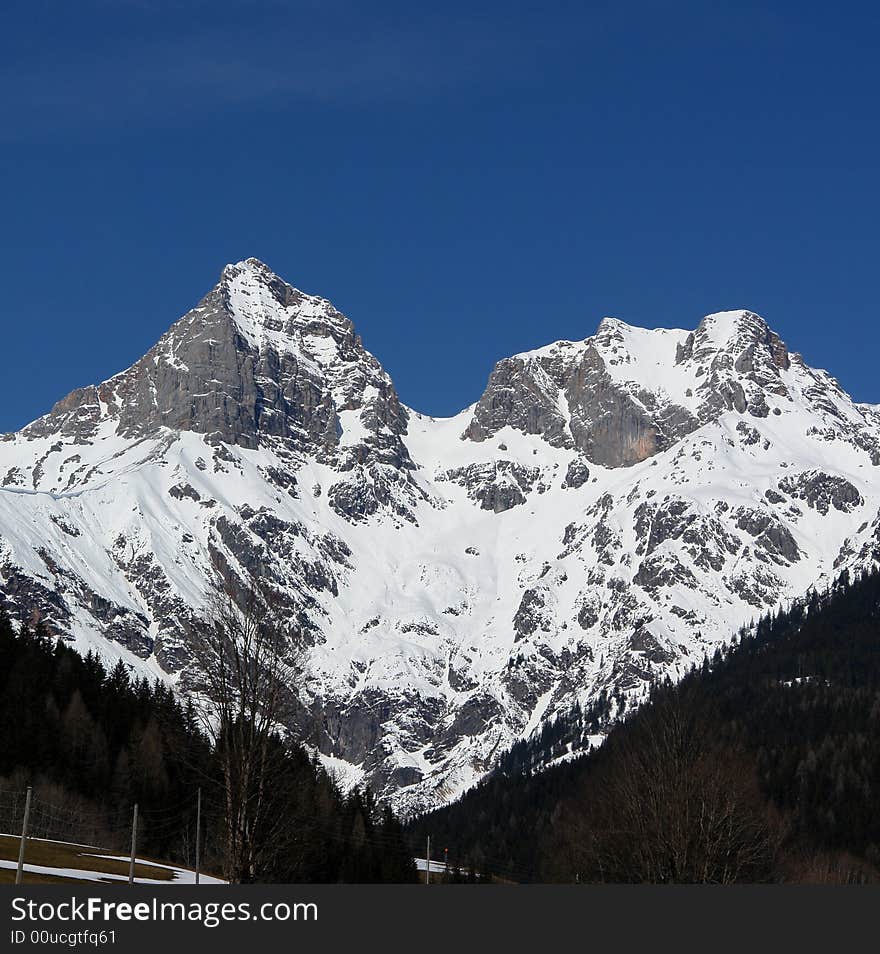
[(821, 491), (497, 486), (522, 393), (576, 475), (579, 394)]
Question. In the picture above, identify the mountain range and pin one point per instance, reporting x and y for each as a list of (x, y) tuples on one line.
[(606, 514)]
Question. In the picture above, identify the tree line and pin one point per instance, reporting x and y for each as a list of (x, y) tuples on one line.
[(93, 740)]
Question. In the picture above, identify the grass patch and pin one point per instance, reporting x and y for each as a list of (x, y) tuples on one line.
[(58, 854)]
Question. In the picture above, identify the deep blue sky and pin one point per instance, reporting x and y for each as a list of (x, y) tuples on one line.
[(464, 180)]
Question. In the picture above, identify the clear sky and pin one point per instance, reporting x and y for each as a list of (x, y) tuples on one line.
[(464, 180)]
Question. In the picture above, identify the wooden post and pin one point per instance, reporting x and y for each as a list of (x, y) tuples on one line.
[(198, 830), (134, 834), (24, 829)]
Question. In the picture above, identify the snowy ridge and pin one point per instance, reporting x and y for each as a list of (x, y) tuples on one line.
[(605, 514)]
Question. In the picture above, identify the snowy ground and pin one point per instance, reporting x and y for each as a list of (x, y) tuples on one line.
[(438, 866), (74, 863)]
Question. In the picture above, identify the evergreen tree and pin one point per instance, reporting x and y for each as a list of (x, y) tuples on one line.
[(92, 742)]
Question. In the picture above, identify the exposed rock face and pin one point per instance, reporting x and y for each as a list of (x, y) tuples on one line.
[(255, 363), (580, 395), (605, 514), (822, 491), (499, 485), (523, 395), (609, 425), (531, 616), (576, 475), (567, 396)]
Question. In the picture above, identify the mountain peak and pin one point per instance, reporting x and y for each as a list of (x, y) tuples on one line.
[(724, 324), (251, 265), (609, 325), (270, 312), (254, 358), (742, 334)]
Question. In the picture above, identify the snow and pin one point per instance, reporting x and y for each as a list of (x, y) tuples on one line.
[(256, 311), (720, 327), (537, 716), (436, 866), (352, 428), (344, 774), (180, 875)]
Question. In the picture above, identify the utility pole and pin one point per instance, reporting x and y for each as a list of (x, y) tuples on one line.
[(134, 834), (198, 830), (428, 865), (24, 828)]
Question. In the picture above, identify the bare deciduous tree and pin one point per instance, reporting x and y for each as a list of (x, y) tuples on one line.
[(672, 804), (251, 661)]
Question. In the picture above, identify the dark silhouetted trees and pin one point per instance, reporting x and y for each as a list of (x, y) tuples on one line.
[(93, 742), (763, 764)]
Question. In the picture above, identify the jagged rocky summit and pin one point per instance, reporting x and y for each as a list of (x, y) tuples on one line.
[(608, 512)]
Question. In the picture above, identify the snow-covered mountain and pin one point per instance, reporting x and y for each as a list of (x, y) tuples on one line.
[(607, 512)]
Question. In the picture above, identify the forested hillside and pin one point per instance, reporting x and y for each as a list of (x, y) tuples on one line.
[(763, 764), (93, 742)]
